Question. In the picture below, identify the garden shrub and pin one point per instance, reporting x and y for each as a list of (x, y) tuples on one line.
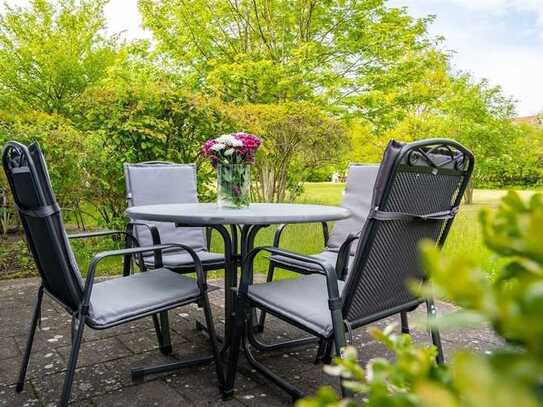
[(62, 145), (134, 122), (512, 305), (297, 138)]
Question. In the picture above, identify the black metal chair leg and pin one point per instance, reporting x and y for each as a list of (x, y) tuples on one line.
[(213, 340), (74, 354), (262, 319), (339, 340), (436, 337), (405, 322), (158, 331), (320, 352), (327, 355), (166, 347), (28, 349), (162, 330)]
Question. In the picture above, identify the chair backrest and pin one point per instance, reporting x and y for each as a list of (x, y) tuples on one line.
[(151, 183), (417, 193), (357, 198), (28, 178)]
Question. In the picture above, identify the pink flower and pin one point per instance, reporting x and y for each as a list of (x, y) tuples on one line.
[(242, 150)]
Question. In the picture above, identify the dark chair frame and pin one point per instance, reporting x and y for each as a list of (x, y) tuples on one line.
[(339, 305), (17, 157)]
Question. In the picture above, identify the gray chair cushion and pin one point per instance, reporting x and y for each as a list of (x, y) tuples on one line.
[(326, 256), (304, 300), (357, 198), (123, 298), (149, 184), (180, 259)]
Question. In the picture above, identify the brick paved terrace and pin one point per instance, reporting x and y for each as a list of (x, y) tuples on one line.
[(103, 379)]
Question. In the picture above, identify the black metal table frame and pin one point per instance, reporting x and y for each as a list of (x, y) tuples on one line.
[(233, 259)]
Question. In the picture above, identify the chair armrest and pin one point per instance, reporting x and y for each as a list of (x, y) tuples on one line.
[(281, 228), (129, 238), (100, 233), (278, 234), (325, 269), (200, 276), (342, 262)]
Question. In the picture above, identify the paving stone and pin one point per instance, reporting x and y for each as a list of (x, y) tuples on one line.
[(264, 395), (103, 374), (9, 369), (9, 397), (155, 393), (196, 384), (8, 348), (95, 352), (90, 381)]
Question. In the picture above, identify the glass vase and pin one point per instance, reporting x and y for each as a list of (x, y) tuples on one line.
[(233, 185)]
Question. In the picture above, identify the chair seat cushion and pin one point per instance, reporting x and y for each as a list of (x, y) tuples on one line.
[(303, 300), (327, 256), (124, 298), (184, 260)]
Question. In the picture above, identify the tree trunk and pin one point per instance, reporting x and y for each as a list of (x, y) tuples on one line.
[(468, 195)]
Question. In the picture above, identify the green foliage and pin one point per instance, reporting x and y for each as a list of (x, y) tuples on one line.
[(296, 138), (51, 52), (475, 114), (512, 305), (62, 144), (15, 260), (273, 51), (134, 121)]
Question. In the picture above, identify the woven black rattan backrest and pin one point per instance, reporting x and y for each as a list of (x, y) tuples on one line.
[(415, 180), (27, 175)]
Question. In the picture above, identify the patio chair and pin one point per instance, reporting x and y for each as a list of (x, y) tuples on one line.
[(357, 198), (416, 196), (98, 305), (159, 182)]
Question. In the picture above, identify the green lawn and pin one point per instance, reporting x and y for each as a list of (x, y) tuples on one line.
[(464, 238)]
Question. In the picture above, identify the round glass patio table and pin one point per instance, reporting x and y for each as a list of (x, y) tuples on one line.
[(249, 220)]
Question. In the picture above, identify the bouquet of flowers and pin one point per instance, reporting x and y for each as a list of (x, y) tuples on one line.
[(235, 148), (232, 155)]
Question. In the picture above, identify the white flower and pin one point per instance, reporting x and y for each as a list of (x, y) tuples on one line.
[(225, 138), (228, 152), (229, 140), (218, 147)]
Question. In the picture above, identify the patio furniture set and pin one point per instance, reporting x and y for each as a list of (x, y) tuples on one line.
[(360, 277)]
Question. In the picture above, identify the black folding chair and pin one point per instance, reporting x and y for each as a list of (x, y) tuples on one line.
[(99, 305), (417, 194)]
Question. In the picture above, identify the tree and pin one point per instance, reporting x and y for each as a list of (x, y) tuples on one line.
[(297, 138), (267, 51), (442, 105), (51, 52)]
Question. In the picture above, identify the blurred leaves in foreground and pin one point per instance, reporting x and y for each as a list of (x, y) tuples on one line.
[(512, 305)]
